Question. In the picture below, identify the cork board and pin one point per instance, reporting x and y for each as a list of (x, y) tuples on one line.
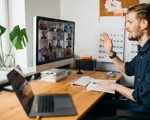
[(125, 4)]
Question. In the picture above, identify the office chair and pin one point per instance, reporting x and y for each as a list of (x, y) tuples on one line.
[(130, 115)]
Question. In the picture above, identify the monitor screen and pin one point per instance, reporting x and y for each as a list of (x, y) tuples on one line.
[(54, 42)]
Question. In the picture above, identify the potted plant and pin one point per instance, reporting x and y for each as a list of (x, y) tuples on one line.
[(18, 38)]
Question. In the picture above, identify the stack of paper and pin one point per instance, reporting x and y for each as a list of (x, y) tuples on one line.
[(54, 78)]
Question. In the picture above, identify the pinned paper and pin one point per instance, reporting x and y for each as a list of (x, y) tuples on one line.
[(112, 5), (118, 13)]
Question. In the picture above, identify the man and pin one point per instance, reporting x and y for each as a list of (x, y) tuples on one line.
[(138, 27), (59, 29)]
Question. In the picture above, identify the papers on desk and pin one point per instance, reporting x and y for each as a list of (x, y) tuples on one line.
[(54, 77), (91, 84), (94, 87)]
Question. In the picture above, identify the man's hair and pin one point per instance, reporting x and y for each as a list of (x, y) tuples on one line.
[(142, 10)]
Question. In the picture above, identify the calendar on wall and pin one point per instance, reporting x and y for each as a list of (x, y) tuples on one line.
[(115, 28)]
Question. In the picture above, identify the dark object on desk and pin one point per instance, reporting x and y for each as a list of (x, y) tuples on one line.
[(34, 77), (111, 74), (4, 84), (62, 103), (8, 88), (79, 68), (86, 65)]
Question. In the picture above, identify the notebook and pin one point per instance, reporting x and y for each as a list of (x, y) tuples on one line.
[(41, 104), (94, 87)]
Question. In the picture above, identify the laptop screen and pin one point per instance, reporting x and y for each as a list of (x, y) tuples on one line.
[(21, 88)]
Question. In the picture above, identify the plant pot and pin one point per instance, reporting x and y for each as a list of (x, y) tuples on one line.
[(8, 62)]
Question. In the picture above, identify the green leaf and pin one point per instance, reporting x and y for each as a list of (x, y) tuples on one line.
[(24, 36), (18, 37), (2, 30)]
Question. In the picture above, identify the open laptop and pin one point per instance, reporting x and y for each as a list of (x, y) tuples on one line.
[(42, 104)]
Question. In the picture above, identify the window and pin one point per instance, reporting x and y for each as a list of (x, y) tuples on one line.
[(4, 22)]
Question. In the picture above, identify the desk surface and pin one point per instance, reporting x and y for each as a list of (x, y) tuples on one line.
[(84, 100)]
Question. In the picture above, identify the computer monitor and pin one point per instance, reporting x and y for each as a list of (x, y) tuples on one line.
[(54, 42)]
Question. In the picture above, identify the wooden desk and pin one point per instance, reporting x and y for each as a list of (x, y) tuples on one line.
[(11, 109)]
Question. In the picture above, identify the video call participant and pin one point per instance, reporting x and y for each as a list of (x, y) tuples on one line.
[(43, 25), (43, 35), (58, 45), (69, 44), (69, 36), (138, 27), (59, 29), (68, 28)]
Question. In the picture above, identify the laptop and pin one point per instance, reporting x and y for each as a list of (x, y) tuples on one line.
[(41, 104)]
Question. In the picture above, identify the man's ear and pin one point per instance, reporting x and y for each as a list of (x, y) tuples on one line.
[(144, 24)]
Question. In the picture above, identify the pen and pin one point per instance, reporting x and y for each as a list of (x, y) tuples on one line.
[(37, 117)]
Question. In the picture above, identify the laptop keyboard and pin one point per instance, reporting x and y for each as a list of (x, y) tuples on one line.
[(45, 104)]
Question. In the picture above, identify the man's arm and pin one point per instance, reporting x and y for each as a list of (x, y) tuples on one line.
[(119, 63), (127, 92), (108, 46), (107, 42)]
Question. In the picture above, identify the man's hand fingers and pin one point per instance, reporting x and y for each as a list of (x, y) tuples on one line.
[(105, 35)]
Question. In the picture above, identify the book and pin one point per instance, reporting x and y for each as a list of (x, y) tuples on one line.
[(94, 87), (57, 72), (85, 57)]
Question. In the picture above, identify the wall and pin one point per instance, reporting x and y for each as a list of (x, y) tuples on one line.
[(85, 13), (47, 8)]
